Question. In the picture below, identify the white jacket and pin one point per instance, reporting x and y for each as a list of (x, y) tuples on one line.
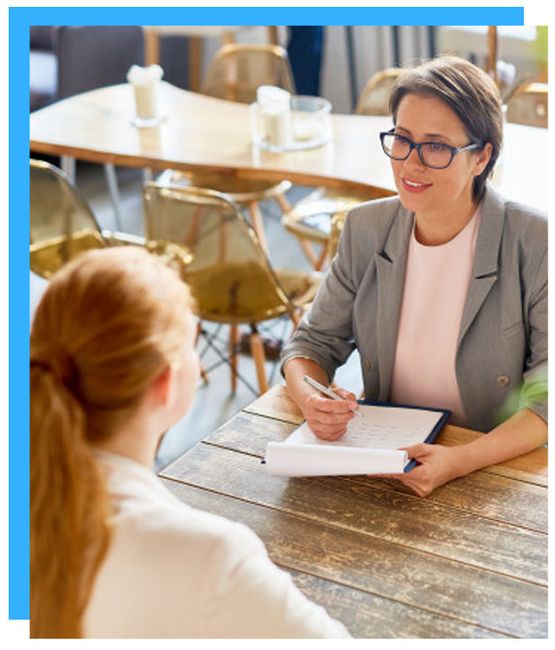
[(174, 571)]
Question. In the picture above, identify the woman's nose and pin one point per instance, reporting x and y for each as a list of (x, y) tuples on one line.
[(413, 160)]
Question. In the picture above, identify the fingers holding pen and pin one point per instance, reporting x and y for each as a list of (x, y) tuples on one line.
[(328, 418)]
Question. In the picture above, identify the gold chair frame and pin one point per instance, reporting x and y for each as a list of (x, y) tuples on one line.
[(232, 289)]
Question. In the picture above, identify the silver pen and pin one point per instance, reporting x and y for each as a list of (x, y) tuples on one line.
[(325, 391)]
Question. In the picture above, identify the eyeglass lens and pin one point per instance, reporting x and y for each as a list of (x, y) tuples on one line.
[(433, 154)]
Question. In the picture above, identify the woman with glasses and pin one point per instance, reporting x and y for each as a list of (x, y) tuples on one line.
[(443, 289)]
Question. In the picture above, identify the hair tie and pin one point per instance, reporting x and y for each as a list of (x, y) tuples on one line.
[(59, 363)]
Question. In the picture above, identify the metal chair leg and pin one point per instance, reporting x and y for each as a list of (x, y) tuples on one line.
[(113, 188)]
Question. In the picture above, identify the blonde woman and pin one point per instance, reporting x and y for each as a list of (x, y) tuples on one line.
[(113, 553)]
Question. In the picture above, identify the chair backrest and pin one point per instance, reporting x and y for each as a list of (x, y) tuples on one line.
[(374, 99), (61, 222), (528, 105), (229, 274), (238, 70)]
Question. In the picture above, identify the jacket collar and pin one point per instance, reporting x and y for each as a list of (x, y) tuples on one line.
[(492, 219), (391, 267)]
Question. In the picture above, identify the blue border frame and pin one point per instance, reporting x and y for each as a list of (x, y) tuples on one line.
[(20, 18)]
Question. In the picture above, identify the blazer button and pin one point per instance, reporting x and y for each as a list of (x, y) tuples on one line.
[(503, 380)]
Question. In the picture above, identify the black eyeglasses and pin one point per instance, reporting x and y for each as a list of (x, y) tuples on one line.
[(436, 155)]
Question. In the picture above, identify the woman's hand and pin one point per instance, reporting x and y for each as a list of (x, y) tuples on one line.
[(437, 466), (328, 418)]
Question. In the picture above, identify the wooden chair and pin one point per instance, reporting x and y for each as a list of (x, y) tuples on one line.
[(235, 74), (528, 105), (62, 225), (230, 275), (310, 220)]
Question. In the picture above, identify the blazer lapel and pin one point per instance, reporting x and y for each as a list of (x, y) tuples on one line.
[(486, 258), (391, 264)]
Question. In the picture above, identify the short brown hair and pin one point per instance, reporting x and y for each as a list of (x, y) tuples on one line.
[(468, 91)]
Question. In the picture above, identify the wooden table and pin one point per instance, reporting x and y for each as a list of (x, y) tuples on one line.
[(201, 132), (468, 561)]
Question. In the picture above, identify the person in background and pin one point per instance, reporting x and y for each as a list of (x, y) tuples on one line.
[(305, 49), (113, 552), (442, 289)]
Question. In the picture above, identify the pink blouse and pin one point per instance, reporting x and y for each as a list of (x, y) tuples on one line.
[(436, 284)]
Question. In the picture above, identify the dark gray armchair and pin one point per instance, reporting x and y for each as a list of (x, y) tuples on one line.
[(69, 60)]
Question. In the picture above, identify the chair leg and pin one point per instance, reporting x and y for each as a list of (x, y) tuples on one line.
[(203, 372), (233, 356), (258, 224), (283, 203), (257, 351)]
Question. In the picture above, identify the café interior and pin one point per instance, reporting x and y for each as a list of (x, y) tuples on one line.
[(274, 130)]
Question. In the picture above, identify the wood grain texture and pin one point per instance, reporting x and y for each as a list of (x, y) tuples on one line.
[(435, 585), (370, 616), (484, 493), (387, 515), (201, 132)]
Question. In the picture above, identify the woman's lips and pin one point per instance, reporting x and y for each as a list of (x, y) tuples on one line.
[(413, 186)]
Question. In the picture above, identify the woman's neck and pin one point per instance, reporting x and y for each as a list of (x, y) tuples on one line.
[(138, 440), (441, 226)]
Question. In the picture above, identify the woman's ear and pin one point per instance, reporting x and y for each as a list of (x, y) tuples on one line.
[(162, 386), (482, 158)]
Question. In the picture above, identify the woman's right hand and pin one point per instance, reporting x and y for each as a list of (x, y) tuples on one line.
[(328, 418)]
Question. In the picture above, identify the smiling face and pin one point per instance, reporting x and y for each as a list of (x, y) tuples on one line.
[(427, 191)]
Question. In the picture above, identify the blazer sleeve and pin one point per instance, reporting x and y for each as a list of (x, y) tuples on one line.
[(533, 394), (326, 333)]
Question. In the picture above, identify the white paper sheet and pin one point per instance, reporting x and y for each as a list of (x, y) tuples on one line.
[(372, 444)]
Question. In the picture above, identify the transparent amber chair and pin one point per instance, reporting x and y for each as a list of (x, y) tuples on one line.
[(238, 69), (62, 225), (61, 222), (374, 99), (310, 220), (230, 275), (528, 105), (235, 74)]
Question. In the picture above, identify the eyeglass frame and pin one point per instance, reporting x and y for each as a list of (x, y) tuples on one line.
[(418, 145)]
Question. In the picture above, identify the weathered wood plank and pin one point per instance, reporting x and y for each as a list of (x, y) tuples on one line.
[(382, 514), (369, 616), (486, 494), (436, 585), (530, 467), (277, 404)]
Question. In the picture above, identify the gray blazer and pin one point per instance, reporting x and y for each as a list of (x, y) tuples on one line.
[(503, 335)]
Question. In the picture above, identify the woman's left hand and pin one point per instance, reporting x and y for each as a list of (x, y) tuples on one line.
[(437, 465)]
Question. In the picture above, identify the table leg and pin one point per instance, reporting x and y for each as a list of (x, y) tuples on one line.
[(67, 163), (112, 181)]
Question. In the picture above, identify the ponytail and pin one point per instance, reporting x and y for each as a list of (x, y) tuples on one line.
[(108, 324), (69, 508)]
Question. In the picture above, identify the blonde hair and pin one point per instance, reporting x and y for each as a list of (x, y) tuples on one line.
[(109, 323)]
